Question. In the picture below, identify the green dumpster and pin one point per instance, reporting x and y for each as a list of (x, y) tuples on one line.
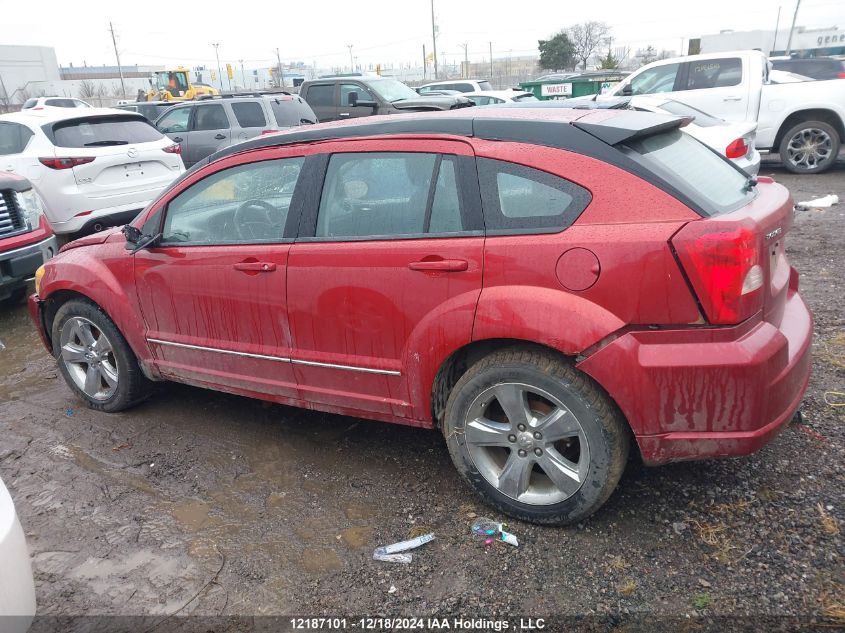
[(589, 83)]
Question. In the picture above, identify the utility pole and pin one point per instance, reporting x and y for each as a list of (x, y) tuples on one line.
[(466, 60), (351, 61), (775, 41), (792, 28), (119, 68), (281, 72), (425, 63), (243, 74), (491, 60), (434, 39), (219, 72)]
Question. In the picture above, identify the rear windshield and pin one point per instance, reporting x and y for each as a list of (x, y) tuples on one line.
[(484, 85), (94, 132), (707, 179), (292, 111)]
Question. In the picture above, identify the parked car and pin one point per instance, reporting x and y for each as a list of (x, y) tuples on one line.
[(493, 97), (803, 122), (528, 282), (813, 67), (26, 239), (733, 140), (37, 103), (17, 587), (92, 167), (461, 85), (440, 92), (206, 126), (334, 98), (151, 110)]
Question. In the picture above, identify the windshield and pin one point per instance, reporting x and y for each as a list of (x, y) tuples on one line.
[(694, 169), (392, 90), (682, 109)]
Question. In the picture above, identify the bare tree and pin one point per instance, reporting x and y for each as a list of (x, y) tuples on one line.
[(87, 89), (646, 55), (586, 39)]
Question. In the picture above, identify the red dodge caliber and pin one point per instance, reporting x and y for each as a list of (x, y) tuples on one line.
[(549, 288)]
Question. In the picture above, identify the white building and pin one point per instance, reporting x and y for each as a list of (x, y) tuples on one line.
[(22, 67), (805, 42)]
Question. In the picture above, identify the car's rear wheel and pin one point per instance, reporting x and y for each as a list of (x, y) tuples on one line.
[(95, 359), (536, 438), (809, 147)]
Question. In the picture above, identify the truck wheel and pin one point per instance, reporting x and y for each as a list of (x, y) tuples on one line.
[(95, 360), (15, 297), (535, 437), (810, 147)]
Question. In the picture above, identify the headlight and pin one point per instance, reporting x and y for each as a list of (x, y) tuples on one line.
[(32, 207)]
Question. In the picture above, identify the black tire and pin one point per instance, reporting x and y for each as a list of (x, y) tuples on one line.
[(602, 427), (813, 129), (132, 385), (15, 297)]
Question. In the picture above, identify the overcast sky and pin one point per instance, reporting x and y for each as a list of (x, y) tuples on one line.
[(380, 31)]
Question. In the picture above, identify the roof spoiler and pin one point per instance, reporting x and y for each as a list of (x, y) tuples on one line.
[(628, 126)]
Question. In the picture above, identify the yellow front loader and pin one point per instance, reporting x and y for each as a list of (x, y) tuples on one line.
[(175, 85)]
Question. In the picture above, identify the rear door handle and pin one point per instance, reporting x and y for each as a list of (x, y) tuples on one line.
[(344, 114), (219, 137), (177, 139), (256, 267), (446, 265), (732, 99)]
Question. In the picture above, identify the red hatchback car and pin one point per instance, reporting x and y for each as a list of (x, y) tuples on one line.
[(547, 287)]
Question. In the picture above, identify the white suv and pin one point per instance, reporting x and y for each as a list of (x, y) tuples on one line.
[(461, 85), (37, 103), (93, 167)]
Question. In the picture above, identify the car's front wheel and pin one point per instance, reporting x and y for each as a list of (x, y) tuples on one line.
[(94, 358), (536, 438)]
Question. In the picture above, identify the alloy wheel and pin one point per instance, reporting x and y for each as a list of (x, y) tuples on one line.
[(89, 358), (527, 444), (809, 148)]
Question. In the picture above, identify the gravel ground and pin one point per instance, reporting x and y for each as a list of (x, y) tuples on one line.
[(203, 503)]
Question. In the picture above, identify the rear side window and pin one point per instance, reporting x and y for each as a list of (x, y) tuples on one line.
[(94, 132), (292, 111), (321, 95), (14, 138), (519, 199), (714, 73), (211, 117), (706, 178), (249, 114), (384, 195)]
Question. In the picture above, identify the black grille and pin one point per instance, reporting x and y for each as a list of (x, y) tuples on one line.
[(11, 215)]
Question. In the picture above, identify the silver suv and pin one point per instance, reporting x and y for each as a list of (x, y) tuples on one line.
[(205, 126)]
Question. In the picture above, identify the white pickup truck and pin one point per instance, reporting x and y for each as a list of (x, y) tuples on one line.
[(804, 122)]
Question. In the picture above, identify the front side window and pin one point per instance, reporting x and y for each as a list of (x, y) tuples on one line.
[(345, 89), (14, 138), (175, 121), (383, 195), (211, 117), (657, 79), (244, 204), (519, 199), (249, 114), (714, 73)]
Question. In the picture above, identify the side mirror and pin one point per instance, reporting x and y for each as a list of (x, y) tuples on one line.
[(353, 98), (627, 91), (135, 240)]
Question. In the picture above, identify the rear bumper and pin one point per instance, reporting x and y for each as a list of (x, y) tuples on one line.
[(18, 265), (705, 393), (104, 218), (750, 163)]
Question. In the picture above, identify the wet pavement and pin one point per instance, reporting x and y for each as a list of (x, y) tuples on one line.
[(207, 503)]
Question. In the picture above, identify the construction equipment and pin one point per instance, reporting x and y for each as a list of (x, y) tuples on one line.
[(175, 85)]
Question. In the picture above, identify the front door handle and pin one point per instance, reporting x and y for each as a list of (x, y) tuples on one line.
[(219, 137), (344, 114), (732, 99), (444, 265), (177, 139), (255, 267)]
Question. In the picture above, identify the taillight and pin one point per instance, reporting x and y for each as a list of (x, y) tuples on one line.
[(65, 162), (173, 149), (841, 75), (263, 132), (723, 265), (737, 149)]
